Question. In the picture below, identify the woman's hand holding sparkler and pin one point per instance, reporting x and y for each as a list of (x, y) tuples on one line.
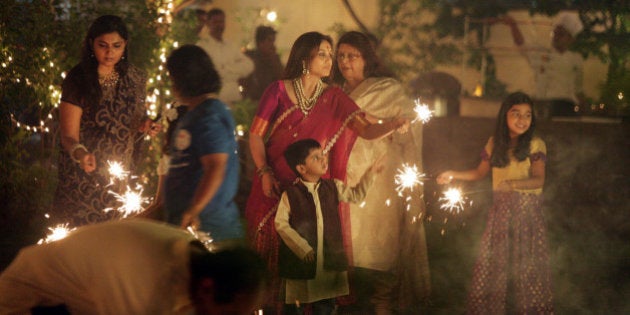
[(87, 160), (398, 124), (402, 124), (445, 178), (190, 219), (151, 127)]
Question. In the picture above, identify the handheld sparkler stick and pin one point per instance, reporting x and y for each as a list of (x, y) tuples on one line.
[(203, 237)]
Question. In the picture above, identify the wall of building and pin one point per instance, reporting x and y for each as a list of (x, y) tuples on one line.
[(294, 18), (299, 16)]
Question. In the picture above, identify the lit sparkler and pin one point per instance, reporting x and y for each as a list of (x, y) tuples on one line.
[(203, 237), (423, 113), (132, 201), (407, 178), (56, 233), (116, 170), (453, 199)]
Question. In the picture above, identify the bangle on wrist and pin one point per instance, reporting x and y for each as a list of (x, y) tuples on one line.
[(263, 170), (75, 147)]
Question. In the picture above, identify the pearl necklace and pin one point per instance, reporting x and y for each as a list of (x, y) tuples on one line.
[(306, 104), (109, 80)]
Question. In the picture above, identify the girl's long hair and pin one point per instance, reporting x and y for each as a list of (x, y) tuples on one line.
[(500, 152), (303, 50), (85, 75)]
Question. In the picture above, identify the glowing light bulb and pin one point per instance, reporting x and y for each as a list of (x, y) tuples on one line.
[(272, 16)]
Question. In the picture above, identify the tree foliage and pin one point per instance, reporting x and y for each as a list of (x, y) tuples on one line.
[(422, 34)]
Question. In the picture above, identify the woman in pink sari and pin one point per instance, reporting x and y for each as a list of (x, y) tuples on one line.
[(298, 107)]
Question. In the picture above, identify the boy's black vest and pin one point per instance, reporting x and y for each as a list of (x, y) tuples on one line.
[(304, 221)]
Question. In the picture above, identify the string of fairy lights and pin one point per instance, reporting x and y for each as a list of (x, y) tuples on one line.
[(158, 93), (159, 100), (13, 75), (158, 89)]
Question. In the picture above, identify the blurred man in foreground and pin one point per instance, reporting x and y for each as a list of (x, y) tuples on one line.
[(132, 267)]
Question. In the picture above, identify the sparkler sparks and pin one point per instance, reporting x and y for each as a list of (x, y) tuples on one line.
[(453, 200), (116, 170), (203, 237), (407, 178), (423, 113), (57, 232), (132, 201)]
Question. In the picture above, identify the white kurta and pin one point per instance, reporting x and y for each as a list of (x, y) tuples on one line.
[(231, 64), (326, 284)]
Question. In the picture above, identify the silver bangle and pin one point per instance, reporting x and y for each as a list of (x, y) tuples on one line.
[(74, 148)]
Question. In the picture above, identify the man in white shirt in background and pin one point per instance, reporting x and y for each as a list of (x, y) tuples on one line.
[(228, 59), (558, 71)]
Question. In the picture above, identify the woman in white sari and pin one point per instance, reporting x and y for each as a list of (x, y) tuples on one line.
[(390, 260)]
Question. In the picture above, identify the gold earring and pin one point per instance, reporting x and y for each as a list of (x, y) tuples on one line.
[(305, 70)]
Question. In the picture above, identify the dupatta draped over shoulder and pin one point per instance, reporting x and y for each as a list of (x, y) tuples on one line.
[(284, 123), (280, 122), (387, 231)]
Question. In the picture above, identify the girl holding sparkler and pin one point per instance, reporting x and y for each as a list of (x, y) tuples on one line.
[(513, 261), (102, 116)]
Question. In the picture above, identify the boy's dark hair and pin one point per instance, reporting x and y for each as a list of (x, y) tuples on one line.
[(215, 11), (192, 72), (233, 271), (262, 32), (297, 152)]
